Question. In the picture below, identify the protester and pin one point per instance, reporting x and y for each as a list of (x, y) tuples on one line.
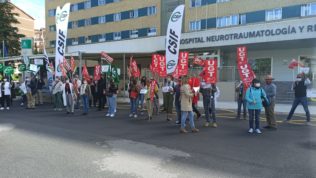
[(177, 102), (94, 97), (254, 95), (152, 90), (7, 93), (143, 91), (68, 96), (169, 96), (133, 94), (241, 102), (270, 89), (76, 87), (186, 106), (1, 94), (111, 98), (39, 95), (57, 92), (101, 89), (210, 94), (195, 100), (85, 93), (23, 93), (300, 87)]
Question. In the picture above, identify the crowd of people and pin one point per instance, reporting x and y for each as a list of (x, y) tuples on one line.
[(73, 93)]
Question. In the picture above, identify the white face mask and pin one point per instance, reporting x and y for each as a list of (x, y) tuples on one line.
[(5, 80), (298, 79), (257, 85), (67, 81)]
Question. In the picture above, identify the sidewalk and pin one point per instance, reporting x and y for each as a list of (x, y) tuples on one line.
[(279, 108)]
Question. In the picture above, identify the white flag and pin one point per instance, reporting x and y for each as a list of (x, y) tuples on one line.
[(62, 16), (173, 39)]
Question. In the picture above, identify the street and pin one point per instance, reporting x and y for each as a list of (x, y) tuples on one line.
[(46, 143)]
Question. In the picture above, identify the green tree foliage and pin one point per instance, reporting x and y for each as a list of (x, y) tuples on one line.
[(8, 32)]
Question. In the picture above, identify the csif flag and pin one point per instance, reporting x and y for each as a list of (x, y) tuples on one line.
[(62, 16), (173, 39)]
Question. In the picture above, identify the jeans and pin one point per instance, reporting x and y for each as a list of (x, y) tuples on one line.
[(133, 106), (184, 115), (112, 104), (178, 110), (85, 103), (254, 114), (241, 102), (296, 102), (140, 100), (70, 103)]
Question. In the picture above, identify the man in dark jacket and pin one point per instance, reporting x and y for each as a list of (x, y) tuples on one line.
[(300, 87), (101, 87), (39, 95)]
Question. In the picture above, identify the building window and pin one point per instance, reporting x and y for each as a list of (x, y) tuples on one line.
[(74, 41), (87, 4), (152, 31), (117, 35), (261, 67), (102, 19), (227, 21), (102, 38), (151, 10), (117, 17), (73, 7), (51, 12), (196, 3), (101, 2), (134, 33), (75, 24), (274, 14), (87, 22), (195, 25), (242, 19), (221, 1), (308, 9), (133, 14), (52, 28)]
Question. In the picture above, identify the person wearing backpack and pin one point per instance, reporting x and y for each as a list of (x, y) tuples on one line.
[(270, 89), (254, 95)]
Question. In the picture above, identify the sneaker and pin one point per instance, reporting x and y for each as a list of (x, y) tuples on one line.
[(178, 123), (183, 130), (107, 115), (206, 124), (8, 108), (195, 130), (22, 104), (250, 130), (258, 131), (112, 115), (130, 115), (2, 108), (135, 116), (214, 125)]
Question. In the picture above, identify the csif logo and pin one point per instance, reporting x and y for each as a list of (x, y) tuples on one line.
[(176, 16), (171, 64), (60, 17)]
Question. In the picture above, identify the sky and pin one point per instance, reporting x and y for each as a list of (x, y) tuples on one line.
[(35, 8)]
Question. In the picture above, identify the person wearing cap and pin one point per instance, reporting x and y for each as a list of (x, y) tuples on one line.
[(254, 96), (270, 89), (300, 87)]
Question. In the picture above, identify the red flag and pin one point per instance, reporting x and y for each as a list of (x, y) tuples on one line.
[(152, 89), (176, 73), (210, 71), (106, 57), (66, 65), (183, 63), (162, 67), (85, 73), (155, 58), (198, 61), (72, 64), (63, 70), (245, 72), (134, 68), (97, 72), (294, 63)]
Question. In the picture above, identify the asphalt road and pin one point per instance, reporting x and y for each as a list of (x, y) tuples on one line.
[(44, 143)]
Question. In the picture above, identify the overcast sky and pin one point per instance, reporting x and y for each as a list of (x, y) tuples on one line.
[(35, 8)]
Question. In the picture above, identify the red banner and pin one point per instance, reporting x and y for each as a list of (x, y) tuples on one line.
[(85, 73), (176, 73), (72, 64), (183, 63), (66, 65), (245, 72), (210, 71), (155, 58), (152, 89), (134, 69), (106, 57), (162, 67), (198, 61), (97, 72), (294, 63)]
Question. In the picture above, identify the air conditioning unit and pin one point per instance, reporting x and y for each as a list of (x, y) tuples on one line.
[(102, 40)]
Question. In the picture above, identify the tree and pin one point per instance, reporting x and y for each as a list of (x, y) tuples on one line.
[(8, 32)]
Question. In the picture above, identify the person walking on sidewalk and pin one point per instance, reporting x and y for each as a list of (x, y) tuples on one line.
[(111, 98), (241, 102), (300, 87), (85, 93), (254, 95), (270, 89), (186, 106)]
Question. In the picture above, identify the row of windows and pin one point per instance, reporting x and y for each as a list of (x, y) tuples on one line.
[(84, 5), (198, 3), (252, 17), (146, 11), (127, 34)]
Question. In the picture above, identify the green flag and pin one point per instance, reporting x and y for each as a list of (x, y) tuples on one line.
[(115, 75)]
